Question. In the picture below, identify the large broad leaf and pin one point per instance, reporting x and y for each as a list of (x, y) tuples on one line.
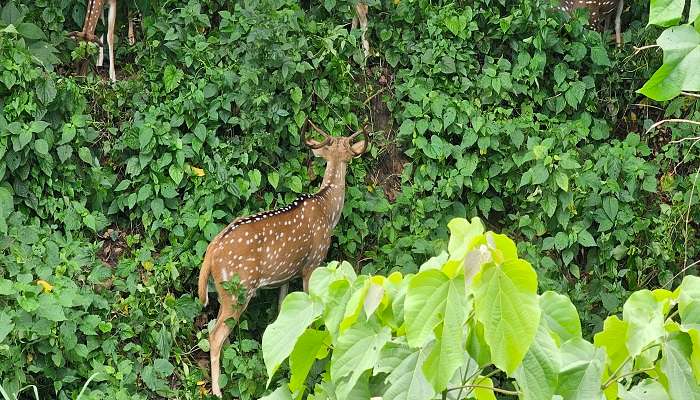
[(298, 312), (406, 380), (447, 353), (612, 340), (506, 303), (582, 368), (689, 301), (304, 355), (538, 374), (676, 370), (681, 45), (357, 350), (560, 315), (424, 307), (645, 317), (282, 393), (645, 390), (665, 12)]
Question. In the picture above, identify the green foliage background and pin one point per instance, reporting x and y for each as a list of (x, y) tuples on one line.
[(506, 110)]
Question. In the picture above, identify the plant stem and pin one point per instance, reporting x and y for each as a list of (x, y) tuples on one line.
[(498, 390), (613, 377), (628, 374)]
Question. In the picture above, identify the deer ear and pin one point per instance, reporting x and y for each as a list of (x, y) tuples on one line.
[(359, 147), (317, 152)]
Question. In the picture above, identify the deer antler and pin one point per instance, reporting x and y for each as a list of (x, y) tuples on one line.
[(354, 135), (314, 144)]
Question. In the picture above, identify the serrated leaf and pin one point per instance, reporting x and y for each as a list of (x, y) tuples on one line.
[(538, 374), (676, 369), (357, 350), (585, 239), (41, 146), (562, 180)]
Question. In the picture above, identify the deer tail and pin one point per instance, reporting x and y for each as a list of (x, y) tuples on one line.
[(203, 278)]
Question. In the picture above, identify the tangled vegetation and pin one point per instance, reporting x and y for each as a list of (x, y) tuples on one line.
[(109, 193)]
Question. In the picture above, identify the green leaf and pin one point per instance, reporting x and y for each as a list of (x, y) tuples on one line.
[(157, 206), (145, 136), (50, 309), (689, 301), (539, 174), (406, 379), (562, 180), (30, 31), (506, 303), (171, 77), (449, 117), (64, 152), (676, 370), (24, 138), (295, 184), (582, 368), (163, 367), (303, 356), (610, 206), (281, 393), (612, 339), (296, 94), (560, 316), (85, 155), (585, 239), (646, 321), (575, 93), (425, 305), (357, 350), (200, 131), (6, 325), (175, 173), (665, 12), (462, 235), (681, 46), (297, 313), (538, 374), (447, 352), (41, 146), (273, 178), (600, 56)]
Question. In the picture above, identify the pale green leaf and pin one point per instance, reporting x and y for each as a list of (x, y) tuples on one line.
[(506, 303), (297, 313), (581, 371), (560, 316), (406, 380), (303, 356), (462, 235), (665, 12), (676, 369), (538, 374), (647, 389), (646, 321), (612, 339)]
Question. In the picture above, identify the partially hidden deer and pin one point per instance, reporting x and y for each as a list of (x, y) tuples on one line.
[(93, 12), (268, 249), (600, 10)]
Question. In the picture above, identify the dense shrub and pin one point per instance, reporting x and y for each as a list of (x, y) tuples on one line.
[(507, 110)]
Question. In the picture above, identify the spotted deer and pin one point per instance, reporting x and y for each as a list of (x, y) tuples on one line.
[(600, 10), (93, 12), (268, 249)]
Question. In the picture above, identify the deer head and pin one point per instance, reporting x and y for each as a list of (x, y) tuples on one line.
[(339, 149)]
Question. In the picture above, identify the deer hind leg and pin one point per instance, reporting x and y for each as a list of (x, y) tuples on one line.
[(284, 289), (618, 22), (110, 38), (218, 335)]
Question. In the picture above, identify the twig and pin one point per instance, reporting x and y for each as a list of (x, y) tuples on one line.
[(681, 271), (497, 390), (696, 138), (378, 92), (647, 105), (690, 94), (689, 121), (650, 46), (613, 377), (628, 374)]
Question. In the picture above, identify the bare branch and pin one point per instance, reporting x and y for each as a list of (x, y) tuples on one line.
[(687, 121)]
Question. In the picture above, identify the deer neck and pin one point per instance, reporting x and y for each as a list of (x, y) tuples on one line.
[(333, 188)]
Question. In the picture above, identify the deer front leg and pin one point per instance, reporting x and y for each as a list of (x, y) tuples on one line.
[(618, 22), (284, 289)]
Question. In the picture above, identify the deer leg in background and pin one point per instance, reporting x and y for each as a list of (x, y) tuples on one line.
[(101, 56), (284, 289), (618, 22), (131, 36), (110, 38), (361, 18)]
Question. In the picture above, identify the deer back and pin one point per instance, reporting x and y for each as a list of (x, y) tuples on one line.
[(270, 248)]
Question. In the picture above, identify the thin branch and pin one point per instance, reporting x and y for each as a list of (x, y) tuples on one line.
[(681, 271), (688, 121), (687, 219), (695, 138), (497, 390), (647, 105), (378, 92), (628, 374), (613, 377), (638, 49), (690, 94)]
